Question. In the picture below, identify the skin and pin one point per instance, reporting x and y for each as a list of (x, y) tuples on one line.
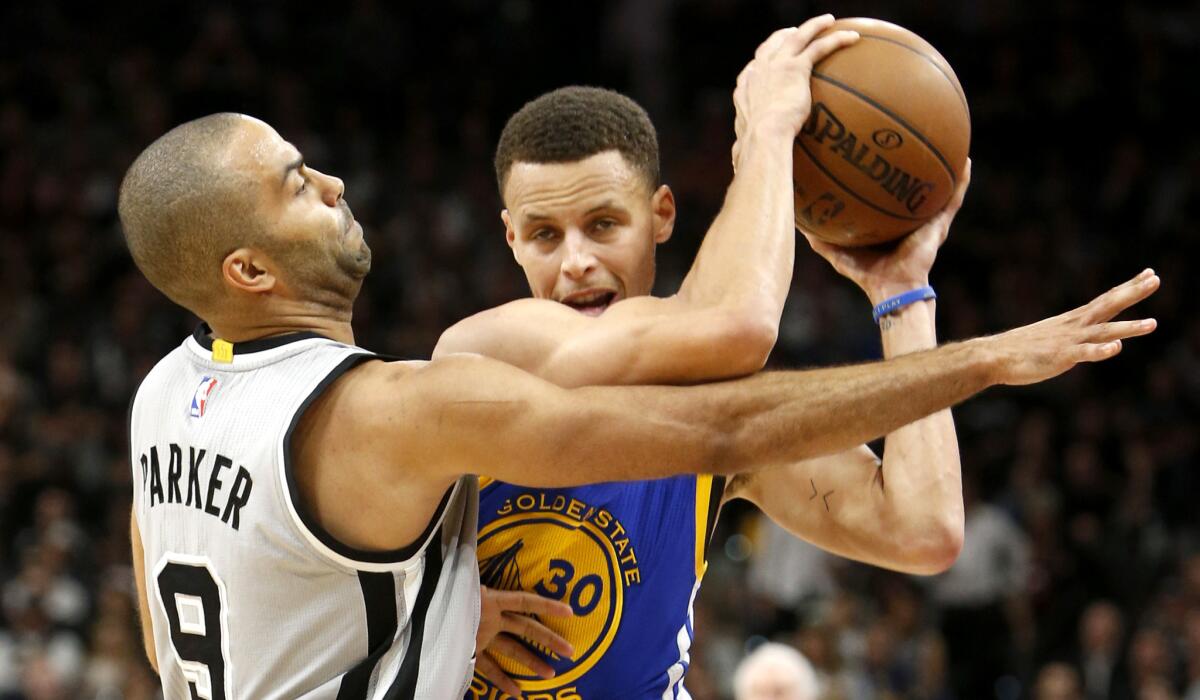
[(410, 429)]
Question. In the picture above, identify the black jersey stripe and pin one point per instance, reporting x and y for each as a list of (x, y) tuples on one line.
[(306, 517), (379, 599), (405, 685)]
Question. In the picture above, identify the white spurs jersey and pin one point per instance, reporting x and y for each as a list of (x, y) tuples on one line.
[(249, 596)]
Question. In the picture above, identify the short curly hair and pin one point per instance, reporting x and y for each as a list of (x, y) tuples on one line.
[(576, 122)]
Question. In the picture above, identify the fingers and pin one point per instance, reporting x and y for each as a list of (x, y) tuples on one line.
[(819, 49), (819, 246), (530, 604), (808, 31), (536, 632), (1121, 297), (794, 40), (521, 654), (960, 193), (946, 216), (1098, 352), (1117, 330), (773, 42), (487, 667)]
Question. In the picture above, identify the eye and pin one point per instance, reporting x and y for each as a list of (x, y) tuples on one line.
[(303, 187), (544, 234), (603, 224)]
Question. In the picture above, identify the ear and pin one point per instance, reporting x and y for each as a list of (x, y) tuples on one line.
[(662, 204), (248, 270), (510, 234)]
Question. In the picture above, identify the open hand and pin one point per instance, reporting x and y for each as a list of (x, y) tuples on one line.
[(891, 269), (504, 613), (1052, 346), (775, 87)]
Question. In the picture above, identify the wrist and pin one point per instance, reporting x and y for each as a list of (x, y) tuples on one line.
[(770, 129), (983, 357), (908, 330), (885, 290), (894, 304)]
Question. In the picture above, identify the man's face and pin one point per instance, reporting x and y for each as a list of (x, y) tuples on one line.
[(585, 232), (307, 227), (773, 678), (774, 681)]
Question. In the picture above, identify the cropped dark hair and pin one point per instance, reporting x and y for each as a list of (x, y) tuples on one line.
[(181, 210), (573, 123)]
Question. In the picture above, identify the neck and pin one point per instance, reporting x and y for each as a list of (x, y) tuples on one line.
[(332, 324)]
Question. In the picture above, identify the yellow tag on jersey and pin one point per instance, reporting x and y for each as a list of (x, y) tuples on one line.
[(222, 350)]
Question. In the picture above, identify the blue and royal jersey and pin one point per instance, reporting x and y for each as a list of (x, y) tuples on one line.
[(627, 557)]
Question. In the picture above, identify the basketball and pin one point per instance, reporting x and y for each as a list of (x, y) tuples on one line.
[(887, 139)]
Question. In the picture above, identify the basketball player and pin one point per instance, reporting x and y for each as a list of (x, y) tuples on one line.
[(304, 516), (578, 172)]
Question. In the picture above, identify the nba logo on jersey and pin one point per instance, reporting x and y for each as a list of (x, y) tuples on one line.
[(200, 398)]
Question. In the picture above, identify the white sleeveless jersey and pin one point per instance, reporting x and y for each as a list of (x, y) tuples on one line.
[(249, 596)]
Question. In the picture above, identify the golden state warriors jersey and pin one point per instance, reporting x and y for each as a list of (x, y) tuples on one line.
[(627, 557)]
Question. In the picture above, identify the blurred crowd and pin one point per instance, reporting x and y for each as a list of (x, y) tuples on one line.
[(1080, 576)]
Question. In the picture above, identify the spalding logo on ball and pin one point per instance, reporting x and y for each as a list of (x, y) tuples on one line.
[(887, 139)]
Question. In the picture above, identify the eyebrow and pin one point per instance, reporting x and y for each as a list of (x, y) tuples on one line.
[(287, 169), (533, 217)]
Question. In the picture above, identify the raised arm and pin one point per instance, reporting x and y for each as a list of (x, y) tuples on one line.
[(725, 318), (905, 513)]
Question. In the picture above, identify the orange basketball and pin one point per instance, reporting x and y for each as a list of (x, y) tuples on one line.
[(887, 139)]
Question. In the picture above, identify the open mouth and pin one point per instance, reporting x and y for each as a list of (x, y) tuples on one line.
[(592, 303)]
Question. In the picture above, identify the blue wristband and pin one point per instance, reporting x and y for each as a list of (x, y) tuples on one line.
[(893, 304)]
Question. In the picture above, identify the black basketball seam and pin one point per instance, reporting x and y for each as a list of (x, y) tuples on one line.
[(957, 90), (920, 137), (851, 192)]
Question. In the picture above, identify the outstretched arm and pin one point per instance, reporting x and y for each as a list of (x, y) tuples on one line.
[(725, 318), (387, 439), (465, 411)]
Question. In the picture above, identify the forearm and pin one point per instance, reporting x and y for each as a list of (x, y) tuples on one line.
[(921, 483), (745, 261), (780, 417), (905, 514), (139, 575)]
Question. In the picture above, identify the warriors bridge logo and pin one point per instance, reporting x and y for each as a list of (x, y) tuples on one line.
[(562, 548)]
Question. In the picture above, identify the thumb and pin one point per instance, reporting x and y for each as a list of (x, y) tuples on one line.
[(822, 248)]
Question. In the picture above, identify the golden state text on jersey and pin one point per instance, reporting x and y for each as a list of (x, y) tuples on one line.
[(627, 557)]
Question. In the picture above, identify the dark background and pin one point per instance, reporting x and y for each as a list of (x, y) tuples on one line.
[(1087, 159)]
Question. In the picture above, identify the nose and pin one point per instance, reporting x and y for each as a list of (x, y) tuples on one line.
[(578, 258), (332, 188)]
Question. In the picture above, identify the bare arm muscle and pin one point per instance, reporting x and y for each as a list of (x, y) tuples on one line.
[(139, 575)]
